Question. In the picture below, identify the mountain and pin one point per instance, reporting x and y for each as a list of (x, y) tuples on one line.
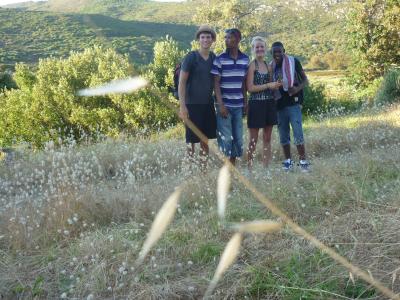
[(139, 10), (26, 36), (309, 28), (306, 28)]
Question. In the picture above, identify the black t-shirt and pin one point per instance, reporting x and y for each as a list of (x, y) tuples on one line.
[(200, 84), (298, 98)]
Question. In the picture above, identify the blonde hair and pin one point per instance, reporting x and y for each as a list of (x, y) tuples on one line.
[(257, 39)]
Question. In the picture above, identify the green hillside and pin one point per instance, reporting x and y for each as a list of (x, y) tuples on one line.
[(305, 32), (309, 30), (26, 36), (140, 10)]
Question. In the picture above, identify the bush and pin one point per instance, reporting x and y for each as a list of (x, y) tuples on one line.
[(6, 81), (46, 106), (317, 62), (166, 56), (314, 99), (389, 91), (336, 60)]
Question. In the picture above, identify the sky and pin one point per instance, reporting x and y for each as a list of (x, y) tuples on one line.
[(5, 2)]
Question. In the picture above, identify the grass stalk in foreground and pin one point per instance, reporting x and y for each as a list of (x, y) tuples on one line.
[(290, 223)]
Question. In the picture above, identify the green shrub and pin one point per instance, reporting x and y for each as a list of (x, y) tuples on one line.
[(46, 106), (336, 60), (314, 99), (389, 91), (366, 94), (316, 62), (6, 81)]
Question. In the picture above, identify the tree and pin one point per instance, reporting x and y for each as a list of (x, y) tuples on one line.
[(166, 55), (46, 107), (374, 38), (24, 77), (241, 14)]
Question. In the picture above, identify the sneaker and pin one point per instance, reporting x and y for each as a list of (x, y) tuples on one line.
[(288, 165), (304, 166)]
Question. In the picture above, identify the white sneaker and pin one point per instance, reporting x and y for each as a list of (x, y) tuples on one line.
[(304, 166), (288, 165)]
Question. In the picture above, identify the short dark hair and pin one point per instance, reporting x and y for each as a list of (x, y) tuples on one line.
[(234, 31), (277, 44)]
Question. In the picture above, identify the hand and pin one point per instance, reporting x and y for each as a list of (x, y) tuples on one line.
[(183, 113), (223, 111), (274, 85), (293, 90)]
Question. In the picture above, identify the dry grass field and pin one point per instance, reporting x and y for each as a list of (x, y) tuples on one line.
[(73, 219)]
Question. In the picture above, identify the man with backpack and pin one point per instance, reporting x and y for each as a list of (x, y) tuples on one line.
[(289, 97), (195, 91)]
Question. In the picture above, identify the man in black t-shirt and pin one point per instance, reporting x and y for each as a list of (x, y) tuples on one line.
[(289, 98), (196, 84)]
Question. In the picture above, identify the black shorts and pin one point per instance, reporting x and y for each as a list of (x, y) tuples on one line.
[(262, 113), (203, 116)]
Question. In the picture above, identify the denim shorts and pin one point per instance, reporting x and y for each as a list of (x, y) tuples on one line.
[(290, 115), (230, 132)]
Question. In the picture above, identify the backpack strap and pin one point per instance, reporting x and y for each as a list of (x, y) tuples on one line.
[(194, 54)]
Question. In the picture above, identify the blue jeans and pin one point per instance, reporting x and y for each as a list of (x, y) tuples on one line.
[(230, 132), (290, 115)]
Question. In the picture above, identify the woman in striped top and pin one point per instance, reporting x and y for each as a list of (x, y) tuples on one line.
[(261, 106)]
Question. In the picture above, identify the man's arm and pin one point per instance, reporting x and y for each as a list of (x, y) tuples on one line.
[(217, 72), (183, 78), (217, 89), (304, 80)]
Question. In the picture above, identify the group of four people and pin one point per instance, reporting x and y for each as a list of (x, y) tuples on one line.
[(213, 96)]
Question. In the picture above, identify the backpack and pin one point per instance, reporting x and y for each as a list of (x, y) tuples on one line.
[(178, 67)]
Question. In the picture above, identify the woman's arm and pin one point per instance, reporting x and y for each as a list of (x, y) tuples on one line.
[(255, 88)]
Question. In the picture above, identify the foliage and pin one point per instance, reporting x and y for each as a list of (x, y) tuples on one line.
[(27, 36), (24, 77), (333, 60), (140, 10), (294, 23), (6, 81), (241, 14), (305, 29), (336, 60), (389, 91), (316, 62), (373, 33), (314, 99), (166, 55), (366, 94), (46, 106)]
